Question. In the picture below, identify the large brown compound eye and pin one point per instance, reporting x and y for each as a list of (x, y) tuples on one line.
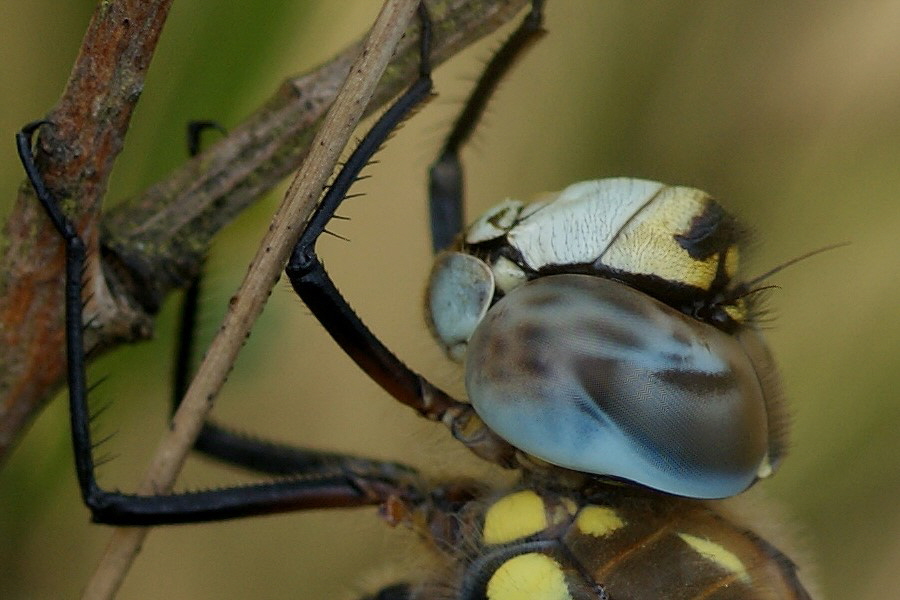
[(595, 376)]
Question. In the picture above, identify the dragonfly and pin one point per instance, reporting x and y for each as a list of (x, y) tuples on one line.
[(611, 360)]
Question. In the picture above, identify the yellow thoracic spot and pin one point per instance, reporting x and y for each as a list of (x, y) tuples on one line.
[(716, 553), (529, 576), (514, 516), (598, 521)]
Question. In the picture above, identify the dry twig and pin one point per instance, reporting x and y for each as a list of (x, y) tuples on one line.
[(246, 305)]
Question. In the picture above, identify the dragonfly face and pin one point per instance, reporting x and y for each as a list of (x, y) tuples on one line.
[(579, 317)]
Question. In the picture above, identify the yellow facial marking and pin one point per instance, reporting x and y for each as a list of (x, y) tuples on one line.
[(737, 311), (507, 274), (530, 576), (716, 553), (646, 245), (598, 521), (514, 516)]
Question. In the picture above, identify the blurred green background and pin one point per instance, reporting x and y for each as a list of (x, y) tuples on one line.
[(788, 113)]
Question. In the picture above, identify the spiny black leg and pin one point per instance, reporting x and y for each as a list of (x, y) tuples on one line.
[(445, 177), (184, 349), (187, 326), (75, 256), (235, 447), (347, 483), (23, 147), (243, 450), (214, 440), (308, 276), (419, 91), (195, 131), (315, 287)]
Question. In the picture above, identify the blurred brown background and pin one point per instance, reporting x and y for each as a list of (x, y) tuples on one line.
[(789, 114)]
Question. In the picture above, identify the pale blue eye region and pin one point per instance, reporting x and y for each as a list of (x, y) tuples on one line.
[(595, 376)]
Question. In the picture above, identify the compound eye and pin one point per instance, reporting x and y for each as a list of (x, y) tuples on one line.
[(459, 292), (592, 375)]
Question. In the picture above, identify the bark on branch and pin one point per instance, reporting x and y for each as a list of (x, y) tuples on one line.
[(153, 242)]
